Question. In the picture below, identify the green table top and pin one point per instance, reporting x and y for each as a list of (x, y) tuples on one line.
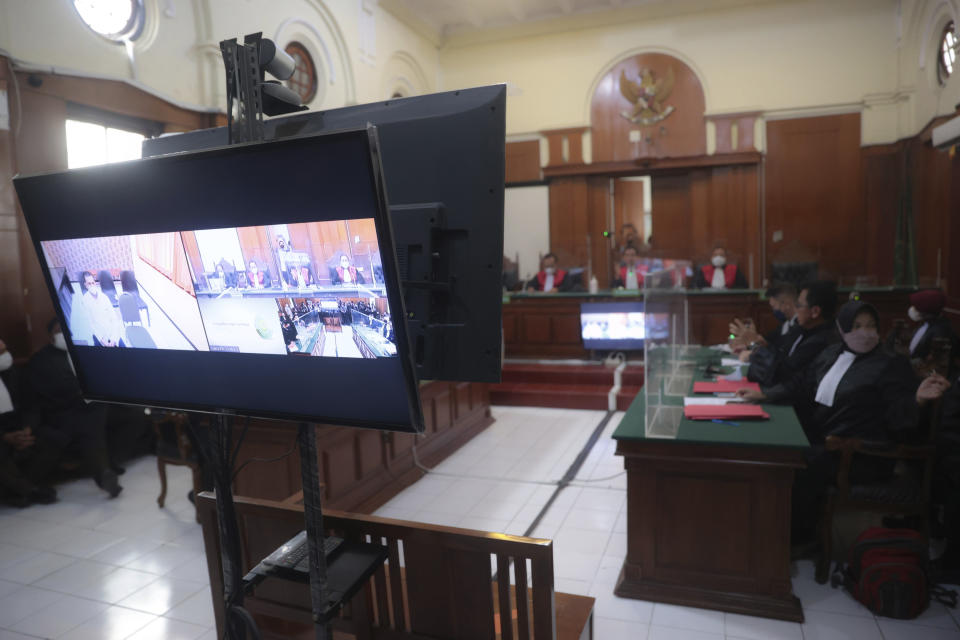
[(781, 430)]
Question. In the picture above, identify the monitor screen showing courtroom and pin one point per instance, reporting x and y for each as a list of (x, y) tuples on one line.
[(232, 296)]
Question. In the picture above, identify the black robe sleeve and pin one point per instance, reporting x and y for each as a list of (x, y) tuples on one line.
[(699, 281), (739, 281)]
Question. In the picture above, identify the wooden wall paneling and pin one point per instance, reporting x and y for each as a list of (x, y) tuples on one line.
[(723, 131), (557, 139), (568, 221), (671, 214), (13, 330), (598, 221), (814, 192), (930, 190), (371, 452), (952, 283), (40, 146), (522, 161), (882, 183), (745, 126), (682, 133)]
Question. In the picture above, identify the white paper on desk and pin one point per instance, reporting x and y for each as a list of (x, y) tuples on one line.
[(731, 362), (713, 402), (723, 347)]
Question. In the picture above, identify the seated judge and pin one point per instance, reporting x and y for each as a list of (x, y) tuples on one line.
[(346, 274), (631, 273), (104, 318), (853, 388), (926, 310), (69, 422), (719, 274), (550, 279), (27, 458), (256, 278), (813, 332)]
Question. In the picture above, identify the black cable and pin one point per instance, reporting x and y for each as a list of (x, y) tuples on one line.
[(276, 459), (236, 450)]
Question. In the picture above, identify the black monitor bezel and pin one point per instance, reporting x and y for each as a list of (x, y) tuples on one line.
[(385, 239)]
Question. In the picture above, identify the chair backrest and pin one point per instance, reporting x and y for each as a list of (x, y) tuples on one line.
[(128, 280), (106, 285), (129, 309), (437, 581)]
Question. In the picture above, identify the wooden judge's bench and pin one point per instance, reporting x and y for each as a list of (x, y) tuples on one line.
[(538, 325)]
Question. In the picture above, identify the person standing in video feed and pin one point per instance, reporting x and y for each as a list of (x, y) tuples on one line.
[(347, 274), (289, 329), (104, 319)]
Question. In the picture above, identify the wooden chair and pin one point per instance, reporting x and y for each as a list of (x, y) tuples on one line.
[(436, 583), (174, 448), (904, 495)]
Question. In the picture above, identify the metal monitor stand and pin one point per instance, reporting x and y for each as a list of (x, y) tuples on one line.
[(245, 118)]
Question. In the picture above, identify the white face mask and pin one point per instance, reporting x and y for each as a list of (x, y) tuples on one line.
[(915, 315), (550, 270), (718, 261), (59, 341), (6, 361)]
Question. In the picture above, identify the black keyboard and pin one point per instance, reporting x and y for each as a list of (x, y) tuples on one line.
[(292, 555)]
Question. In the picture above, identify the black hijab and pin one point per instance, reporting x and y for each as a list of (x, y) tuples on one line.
[(850, 311)]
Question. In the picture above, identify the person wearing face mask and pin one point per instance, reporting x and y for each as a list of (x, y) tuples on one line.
[(549, 279), (631, 273), (64, 418), (853, 389), (104, 318), (255, 277), (26, 463), (783, 305), (926, 311), (719, 274), (347, 274), (812, 332)]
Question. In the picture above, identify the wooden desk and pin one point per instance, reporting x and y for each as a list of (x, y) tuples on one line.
[(539, 325), (708, 513)]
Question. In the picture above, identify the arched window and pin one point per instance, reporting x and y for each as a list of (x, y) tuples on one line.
[(118, 20), (304, 78), (947, 54)]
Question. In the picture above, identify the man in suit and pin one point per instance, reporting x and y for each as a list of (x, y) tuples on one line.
[(66, 419), (783, 305), (719, 274), (550, 279)]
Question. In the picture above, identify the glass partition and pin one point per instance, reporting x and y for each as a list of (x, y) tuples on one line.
[(668, 370)]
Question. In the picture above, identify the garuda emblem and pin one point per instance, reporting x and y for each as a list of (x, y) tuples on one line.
[(647, 96)]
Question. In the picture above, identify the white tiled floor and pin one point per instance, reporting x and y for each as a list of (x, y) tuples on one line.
[(92, 568), (527, 449)]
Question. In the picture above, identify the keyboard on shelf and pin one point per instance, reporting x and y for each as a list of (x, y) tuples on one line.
[(293, 554)]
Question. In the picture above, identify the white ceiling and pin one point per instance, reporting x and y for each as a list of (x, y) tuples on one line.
[(445, 18)]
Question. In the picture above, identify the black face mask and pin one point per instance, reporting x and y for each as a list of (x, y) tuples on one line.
[(780, 315)]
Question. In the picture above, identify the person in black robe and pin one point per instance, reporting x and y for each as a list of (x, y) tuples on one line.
[(813, 332), (289, 329), (550, 279), (926, 310), (64, 417), (855, 389), (26, 460)]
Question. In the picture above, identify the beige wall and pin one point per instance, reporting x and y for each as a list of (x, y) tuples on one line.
[(804, 57), (178, 56)]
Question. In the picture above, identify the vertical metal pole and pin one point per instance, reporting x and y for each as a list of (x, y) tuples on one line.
[(229, 531), (313, 514)]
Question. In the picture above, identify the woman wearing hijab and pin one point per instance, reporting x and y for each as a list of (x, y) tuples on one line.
[(853, 389)]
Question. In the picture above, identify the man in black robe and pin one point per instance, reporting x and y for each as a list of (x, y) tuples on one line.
[(65, 418)]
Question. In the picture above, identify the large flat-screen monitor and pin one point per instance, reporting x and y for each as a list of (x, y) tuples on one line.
[(612, 326), (443, 161), (257, 279)]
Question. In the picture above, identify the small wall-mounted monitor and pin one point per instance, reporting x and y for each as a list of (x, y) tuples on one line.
[(612, 326)]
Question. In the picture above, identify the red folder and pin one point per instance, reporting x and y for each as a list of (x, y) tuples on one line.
[(737, 410), (724, 386)]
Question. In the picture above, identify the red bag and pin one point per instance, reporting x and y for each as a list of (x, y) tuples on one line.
[(887, 572)]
